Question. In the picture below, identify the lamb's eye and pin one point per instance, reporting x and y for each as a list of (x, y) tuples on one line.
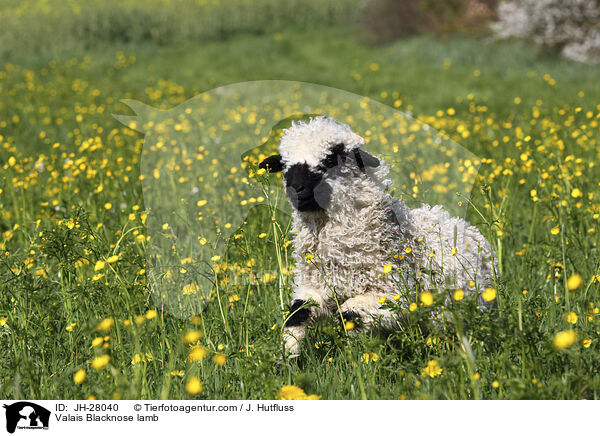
[(334, 155)]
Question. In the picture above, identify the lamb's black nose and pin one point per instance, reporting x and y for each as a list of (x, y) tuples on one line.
[(300, 189)]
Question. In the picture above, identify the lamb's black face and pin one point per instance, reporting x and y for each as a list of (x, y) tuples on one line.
[(305, 188)]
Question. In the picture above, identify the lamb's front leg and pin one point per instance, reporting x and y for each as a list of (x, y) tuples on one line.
[(307, 305)]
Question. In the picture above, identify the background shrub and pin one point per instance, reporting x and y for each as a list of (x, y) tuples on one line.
[(571, 27), (390, 19)]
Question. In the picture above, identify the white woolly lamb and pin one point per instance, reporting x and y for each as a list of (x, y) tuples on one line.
[(348, 228)]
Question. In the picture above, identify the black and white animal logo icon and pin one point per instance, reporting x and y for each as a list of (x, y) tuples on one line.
[(26, 415)]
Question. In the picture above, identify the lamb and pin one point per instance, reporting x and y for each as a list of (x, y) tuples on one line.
[(349, 229)]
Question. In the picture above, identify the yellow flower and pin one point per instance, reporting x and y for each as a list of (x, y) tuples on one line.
[(308, 257), (432, 341), (105, 324), (100, 362), (576, 193), (396, 297), (432, 369), (387, 269), (564, 339), (97, 341), (99, 265), (574, 282), (192, 336), (555, 230), (408, 250), (459, 294), (453, 252), (190, 288), (3, 321), (382, 300), (495, 384), (79, 376), (426, 298), (489, 294), (349, 325), (572, 318), (69, 328), (587, 342), (412, 307), (151, 314), (112, 259), (262, 235), (194, 386), (291, 392), (219, 359), (197, 353)]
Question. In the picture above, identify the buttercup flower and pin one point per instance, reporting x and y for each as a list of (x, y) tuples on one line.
[(79, 376), (432, 369), (564, 339), (426, 298), (219, 359), (489, 294), (194, 386), (574, 282), (291, 392), (100, 362)]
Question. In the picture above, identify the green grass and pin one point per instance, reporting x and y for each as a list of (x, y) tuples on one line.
[(547, 141)]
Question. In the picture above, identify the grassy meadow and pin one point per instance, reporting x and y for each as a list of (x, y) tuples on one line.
[(77, 318)]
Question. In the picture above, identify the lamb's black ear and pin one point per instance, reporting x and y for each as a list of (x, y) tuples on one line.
[(364, 159), (273, 164)]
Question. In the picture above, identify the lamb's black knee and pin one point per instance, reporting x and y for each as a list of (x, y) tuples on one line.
[(350, 315), (299, 316)]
